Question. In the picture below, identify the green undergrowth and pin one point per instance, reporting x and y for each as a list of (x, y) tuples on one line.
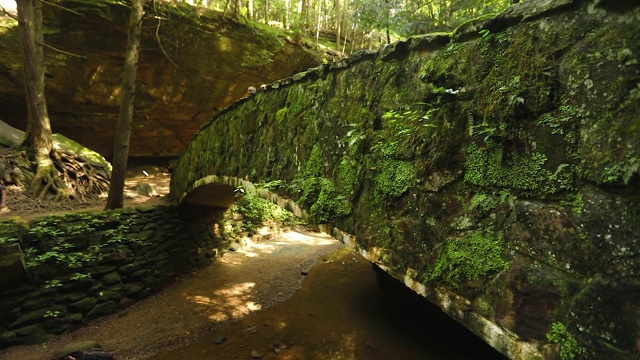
[(256, 212)]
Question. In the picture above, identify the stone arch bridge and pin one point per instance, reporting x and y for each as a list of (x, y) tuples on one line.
[(494, 170)]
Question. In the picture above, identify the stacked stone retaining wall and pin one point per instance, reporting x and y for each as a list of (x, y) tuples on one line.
[(60, 272)]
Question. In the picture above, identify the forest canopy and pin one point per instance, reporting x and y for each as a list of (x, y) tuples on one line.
[(358, 24)]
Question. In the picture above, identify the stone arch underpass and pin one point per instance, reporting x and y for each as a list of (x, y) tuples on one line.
[(494, 170)]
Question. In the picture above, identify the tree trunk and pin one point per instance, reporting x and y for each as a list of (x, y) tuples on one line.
[(38, 135), (319, 25), (266, 11), (123, 133), (250, 10), (37, 140), (338, 16)]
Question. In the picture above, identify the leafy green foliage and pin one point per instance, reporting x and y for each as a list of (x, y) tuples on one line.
[(53, 283), (256, 212), (8, 240), (569, 347), (51, 314)]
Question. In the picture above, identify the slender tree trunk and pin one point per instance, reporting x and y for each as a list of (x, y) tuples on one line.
[(353, 38), (338, 22), (304, 16), (250, 14), (266, 11), (319, 22), (123, 133)]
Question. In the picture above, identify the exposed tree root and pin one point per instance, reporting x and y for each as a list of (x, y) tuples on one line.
[(61, 177)]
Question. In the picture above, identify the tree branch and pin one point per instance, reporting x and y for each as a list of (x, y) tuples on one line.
[(6, 12), (61, 7), (60, 51)]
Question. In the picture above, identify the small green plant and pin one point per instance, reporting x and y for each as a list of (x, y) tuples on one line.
[(42, 230), (53, 284), (256, 211), (80, 229), (80, 276), (623, 171), (8, 240), (51, 314), (569, 347)]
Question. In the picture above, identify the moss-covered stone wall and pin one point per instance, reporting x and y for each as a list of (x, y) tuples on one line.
[(495, 170), (60, 272)]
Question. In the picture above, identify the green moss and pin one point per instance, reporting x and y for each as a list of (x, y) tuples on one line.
[(317, 193), (281, 115), (315, 163), (469, 258), (394, 177), (491, 167), (330, 204), (348, 177), (569, 347)]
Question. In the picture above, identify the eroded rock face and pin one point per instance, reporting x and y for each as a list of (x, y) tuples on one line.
[(496, 171), (190, 66)]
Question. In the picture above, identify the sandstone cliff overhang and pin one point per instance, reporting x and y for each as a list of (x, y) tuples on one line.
[(192, 64)]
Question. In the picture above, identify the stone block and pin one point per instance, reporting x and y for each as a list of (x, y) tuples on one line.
[(75, 347), (8, 338), (70, 297), (73, 318), (102, 309), (37, 303), (107, 295), (12, 265), (83, 305), (112, 279)]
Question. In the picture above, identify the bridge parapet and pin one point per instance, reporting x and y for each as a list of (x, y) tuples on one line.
[(494, 170)]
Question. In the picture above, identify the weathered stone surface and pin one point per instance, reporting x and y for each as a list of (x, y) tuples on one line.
[(76, 347), (101, 309), (499, 177), (111, 279), (8, 338), (193, 72), (11, 265), (107, 295), (37, 303), (38, 315), (83, 305)]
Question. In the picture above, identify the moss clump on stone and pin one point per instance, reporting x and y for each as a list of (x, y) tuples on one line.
[(318, 193), (569, 347), (392, 177), (490, 166), (469, 258)]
